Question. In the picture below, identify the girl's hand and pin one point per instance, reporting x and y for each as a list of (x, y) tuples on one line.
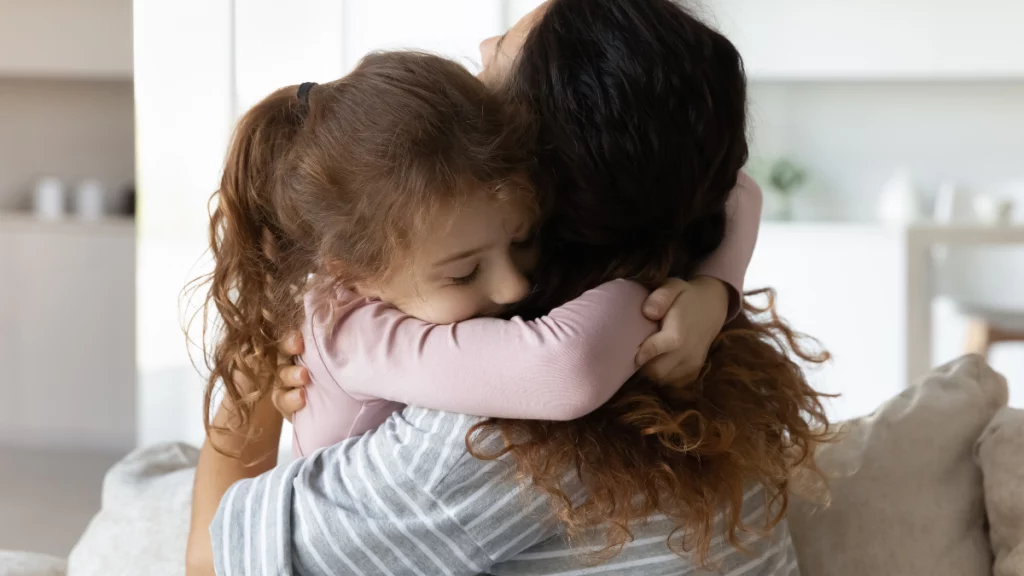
[(691, 316), (289, 396)]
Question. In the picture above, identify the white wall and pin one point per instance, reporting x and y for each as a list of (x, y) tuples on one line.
[(307, 46), (184, 92), (873, 39), (66, 38), (852, 136), (319, 40), (453, 28)]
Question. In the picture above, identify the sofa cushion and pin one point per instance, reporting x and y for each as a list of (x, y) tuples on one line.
[(906, 494), (142, 527), (30, 564), (1001, 457)]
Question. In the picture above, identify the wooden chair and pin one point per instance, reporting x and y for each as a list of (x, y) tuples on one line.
[(982, 334), (987, 286)]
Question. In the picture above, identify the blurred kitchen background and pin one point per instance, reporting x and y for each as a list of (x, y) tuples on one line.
[(887, 135)]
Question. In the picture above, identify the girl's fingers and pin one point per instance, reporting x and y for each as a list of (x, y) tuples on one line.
[(292, 345), (660, 343), (668, 369), (288, 402), (293, 376), (659, 369), (660, 301)]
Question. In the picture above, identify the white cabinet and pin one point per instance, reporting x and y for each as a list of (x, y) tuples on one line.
[(66, 38), (875, 39), (67, 333), (867, 292), (842, 284)]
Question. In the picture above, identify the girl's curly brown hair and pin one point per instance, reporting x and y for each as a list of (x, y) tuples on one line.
[(641, 120), (330, 188)]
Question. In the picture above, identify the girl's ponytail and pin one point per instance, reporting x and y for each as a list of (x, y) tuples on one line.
[(259, 266)]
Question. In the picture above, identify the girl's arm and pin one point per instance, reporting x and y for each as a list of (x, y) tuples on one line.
[(729, 262), (217, 472), (558, 367)]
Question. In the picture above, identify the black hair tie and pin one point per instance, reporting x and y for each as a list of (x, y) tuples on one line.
[(303, 93)]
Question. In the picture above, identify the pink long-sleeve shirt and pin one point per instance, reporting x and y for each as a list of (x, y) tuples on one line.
[(366, 359)]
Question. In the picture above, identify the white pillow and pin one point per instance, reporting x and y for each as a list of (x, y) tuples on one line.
[(142, 526), (908, 497), (1001, 457)]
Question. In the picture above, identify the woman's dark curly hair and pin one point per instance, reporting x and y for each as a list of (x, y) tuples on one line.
[(641, 115)]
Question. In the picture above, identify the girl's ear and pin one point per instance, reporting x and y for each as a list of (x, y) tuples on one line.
[(366, 289), (337, 269)]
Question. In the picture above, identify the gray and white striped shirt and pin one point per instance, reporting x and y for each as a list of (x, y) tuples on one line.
[(408, 498)]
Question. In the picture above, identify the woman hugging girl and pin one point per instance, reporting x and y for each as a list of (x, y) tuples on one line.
[(392, 217), (380, 212)]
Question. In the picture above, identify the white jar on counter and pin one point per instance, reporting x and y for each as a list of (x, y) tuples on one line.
[(90, 200), (48, 198)]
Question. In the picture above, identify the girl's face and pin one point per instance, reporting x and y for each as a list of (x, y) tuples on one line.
[(469, 261), (499, 53)]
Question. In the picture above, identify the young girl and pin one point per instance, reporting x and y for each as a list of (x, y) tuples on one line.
[(402, 183), (401, 190)]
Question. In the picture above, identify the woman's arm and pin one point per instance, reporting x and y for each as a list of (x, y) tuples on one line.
[(559, 367), (217, 472), (729, 262)]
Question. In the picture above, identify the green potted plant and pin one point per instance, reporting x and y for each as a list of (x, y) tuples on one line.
[(780, 181)]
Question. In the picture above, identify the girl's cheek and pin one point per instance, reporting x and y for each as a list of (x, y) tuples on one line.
[(455, 306)]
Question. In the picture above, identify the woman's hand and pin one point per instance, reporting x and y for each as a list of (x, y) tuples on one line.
[(289, 396), (691, 316)]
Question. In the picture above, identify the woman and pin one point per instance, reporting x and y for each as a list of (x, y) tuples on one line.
[(427, 507), (618, 138)]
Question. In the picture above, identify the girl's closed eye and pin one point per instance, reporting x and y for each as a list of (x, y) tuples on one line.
[(467, 279)]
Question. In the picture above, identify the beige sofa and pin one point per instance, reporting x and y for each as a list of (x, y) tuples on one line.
[(932, 484)]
